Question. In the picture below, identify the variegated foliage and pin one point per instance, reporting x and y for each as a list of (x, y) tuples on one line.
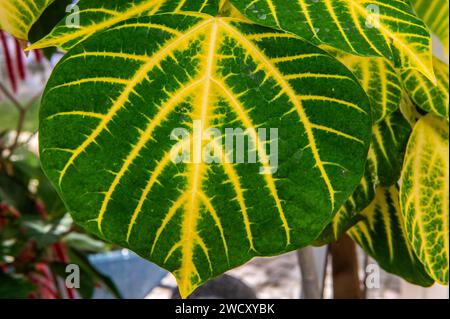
[(382, 234), (95, 16), (386, 28), (435, 15), (383, 168), (112, 102), (18, 16), (425, 194)]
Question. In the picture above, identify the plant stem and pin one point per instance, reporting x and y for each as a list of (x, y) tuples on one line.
[(346, 283), (23, 110), (310, 279)]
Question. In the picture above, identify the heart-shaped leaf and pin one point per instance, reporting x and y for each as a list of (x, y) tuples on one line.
[(386, 28), (18, 16), (110, 109), (424, 194), (383, 236), (95, 16)]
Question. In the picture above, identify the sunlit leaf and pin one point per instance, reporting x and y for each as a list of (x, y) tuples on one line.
[(424, 194), (112, 102), (384, 237)]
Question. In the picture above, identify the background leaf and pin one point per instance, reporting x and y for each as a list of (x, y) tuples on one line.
[(435, 15), (14, 287), (383, 167), (383, 236)]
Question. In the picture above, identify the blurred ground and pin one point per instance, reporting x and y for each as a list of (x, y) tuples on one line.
[(279, 278)]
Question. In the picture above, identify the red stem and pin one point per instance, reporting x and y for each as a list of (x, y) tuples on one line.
[(38, 55), (9, 63), (46, 288), (60, 251), (20, 60)]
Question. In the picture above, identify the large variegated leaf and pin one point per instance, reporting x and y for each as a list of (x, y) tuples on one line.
[(110, 107), (425, 194), (426, 95), (382, 234), (96, 16), (435, 15), (386, 28), (383, 167), (381, 82), (18, 16)]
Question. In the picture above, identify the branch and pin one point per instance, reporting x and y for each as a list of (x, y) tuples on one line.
[(23, 110)]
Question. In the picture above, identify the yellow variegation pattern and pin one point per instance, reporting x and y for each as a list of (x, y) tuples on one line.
[(426, 95), (96, 16), (195, 219), (362, 27), (18, 16), (425, 194), (435, 15), (383, 168), (381, 82), (382, 234), (382, 210)]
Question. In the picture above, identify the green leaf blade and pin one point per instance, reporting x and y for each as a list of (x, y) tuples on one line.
[(105, 140)]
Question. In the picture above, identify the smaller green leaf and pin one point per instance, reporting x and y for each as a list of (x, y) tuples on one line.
[(48, 19), (84, 242), (424, 194), (383, 236), (44, 232), (426, 95)]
